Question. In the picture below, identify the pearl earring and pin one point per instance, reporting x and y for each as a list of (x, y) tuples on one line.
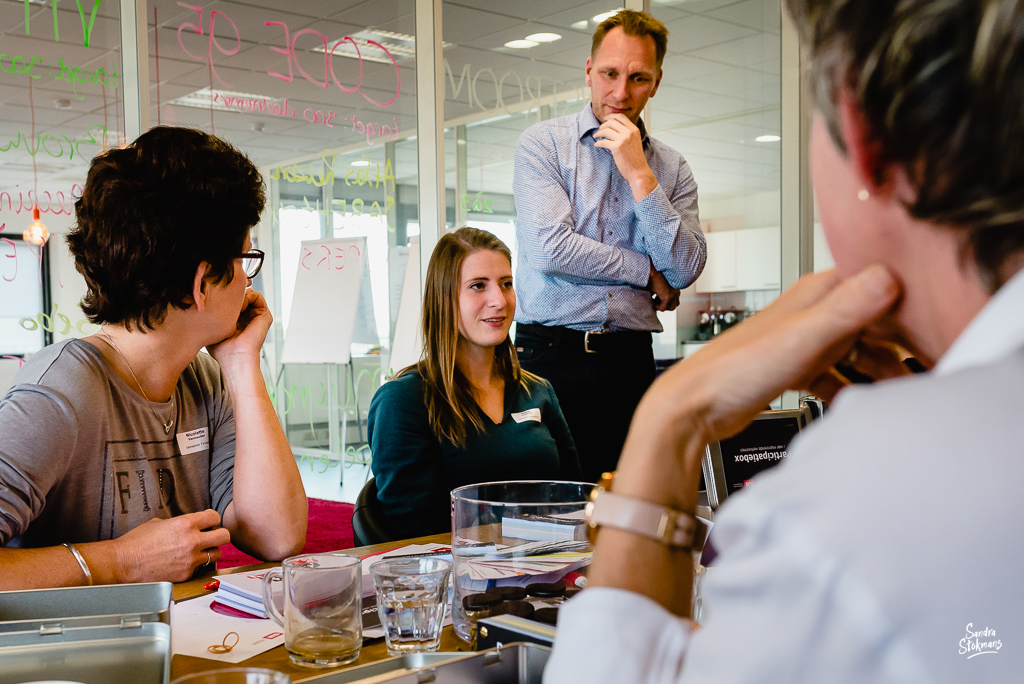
[(863, 195)]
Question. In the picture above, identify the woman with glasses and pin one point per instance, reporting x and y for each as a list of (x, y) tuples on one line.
[(466, 412), (129, 456)]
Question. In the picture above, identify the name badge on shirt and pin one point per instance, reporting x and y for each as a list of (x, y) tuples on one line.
[(194, 440), (528, 414)]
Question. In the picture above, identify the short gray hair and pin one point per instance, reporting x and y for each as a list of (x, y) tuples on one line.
[(941, 86)]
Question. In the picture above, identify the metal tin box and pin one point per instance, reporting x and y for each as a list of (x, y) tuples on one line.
[(512, 664), (506, 629), (116, 634)]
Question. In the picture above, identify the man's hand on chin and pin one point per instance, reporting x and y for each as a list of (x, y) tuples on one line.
[(622, 138)]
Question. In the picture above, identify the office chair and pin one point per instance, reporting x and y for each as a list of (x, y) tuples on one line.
[(369, 526)]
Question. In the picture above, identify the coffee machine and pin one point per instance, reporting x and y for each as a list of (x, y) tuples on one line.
[(713, 321)]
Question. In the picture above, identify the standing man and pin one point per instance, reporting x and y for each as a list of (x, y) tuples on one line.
[(608, 234)]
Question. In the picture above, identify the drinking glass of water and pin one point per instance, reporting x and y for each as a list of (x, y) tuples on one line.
[(412, 594)]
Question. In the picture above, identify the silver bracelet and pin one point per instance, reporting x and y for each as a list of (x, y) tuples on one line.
[(81, 562)]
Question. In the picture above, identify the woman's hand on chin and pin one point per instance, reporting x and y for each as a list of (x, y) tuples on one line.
[(251, 330), (714, 394)]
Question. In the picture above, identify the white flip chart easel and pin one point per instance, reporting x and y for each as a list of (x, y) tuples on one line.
[(332, 306)]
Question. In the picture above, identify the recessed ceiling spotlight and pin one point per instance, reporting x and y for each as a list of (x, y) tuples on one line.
[(521, 44), (767, 138), (544, 37), (580, 25), (361, 162), (598, 18)]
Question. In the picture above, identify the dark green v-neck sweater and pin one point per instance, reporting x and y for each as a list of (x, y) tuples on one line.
[(416, 471)]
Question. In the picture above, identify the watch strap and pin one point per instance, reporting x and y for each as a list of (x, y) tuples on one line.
[(667, 525)]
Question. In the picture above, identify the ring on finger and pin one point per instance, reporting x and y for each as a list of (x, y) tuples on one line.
[(209, 558)]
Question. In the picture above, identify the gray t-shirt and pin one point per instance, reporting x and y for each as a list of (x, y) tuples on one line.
[(83, 458)]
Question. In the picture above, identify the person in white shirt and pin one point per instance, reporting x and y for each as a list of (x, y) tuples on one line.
[(885, 548)]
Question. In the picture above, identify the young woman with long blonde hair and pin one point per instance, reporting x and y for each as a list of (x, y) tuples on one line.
[(466, 412)]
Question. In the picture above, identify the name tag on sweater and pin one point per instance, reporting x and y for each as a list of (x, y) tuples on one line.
[(528, 414), (194, 440)]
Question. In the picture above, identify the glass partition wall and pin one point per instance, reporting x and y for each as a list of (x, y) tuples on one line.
[(720, 105), (62, 89), (322, 97), (506, 68)]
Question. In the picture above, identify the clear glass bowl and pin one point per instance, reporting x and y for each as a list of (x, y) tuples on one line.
[(489, 519)]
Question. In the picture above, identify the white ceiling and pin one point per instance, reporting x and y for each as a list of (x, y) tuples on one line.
[(721, 87)]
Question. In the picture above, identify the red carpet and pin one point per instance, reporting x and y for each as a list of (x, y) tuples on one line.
[(329, 529)]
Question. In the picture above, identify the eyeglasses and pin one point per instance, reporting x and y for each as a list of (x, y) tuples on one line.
[(252, 262)]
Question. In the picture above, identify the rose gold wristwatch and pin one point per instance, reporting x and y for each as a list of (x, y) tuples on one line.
[(667, 525)]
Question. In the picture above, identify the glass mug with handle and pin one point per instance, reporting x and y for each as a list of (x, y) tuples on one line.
[(322, 617)]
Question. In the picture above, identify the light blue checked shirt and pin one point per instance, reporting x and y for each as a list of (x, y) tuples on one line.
[(585, 247)]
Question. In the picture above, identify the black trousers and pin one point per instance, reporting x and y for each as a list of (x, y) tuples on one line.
[(598, 390)]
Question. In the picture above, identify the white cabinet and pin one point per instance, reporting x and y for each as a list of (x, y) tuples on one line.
[(748, 259), (758, 259), (720, 270), (666, 342)]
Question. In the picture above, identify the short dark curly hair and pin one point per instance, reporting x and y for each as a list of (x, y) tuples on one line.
[(151, 213), (941, 85)]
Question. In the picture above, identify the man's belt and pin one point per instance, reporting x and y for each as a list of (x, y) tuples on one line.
[(590, 342)]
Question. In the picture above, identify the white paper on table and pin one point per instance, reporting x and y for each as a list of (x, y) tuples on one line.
[(371, 617), (197, 626), (407, 550)]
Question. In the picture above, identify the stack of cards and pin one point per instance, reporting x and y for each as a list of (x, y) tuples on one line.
[(533, 558), (243, 591), (545, 527)]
